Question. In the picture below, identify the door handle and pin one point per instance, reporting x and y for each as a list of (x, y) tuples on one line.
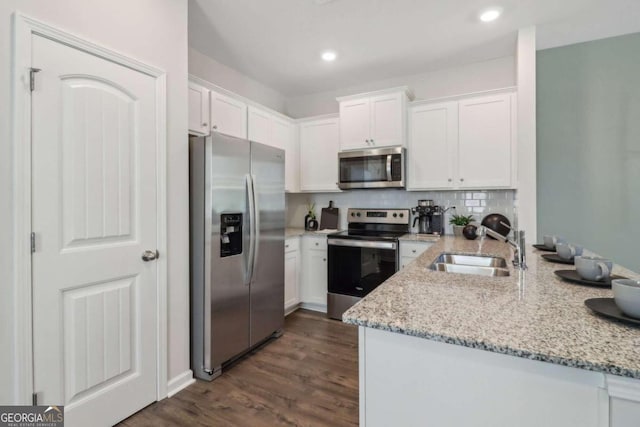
[(149, 255)]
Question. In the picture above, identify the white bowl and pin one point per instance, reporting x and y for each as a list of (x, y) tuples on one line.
[(626, 293)]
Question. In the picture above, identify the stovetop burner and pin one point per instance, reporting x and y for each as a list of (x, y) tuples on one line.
[(375, 224)]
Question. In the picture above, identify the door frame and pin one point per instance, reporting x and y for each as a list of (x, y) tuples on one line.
[(24, 27)]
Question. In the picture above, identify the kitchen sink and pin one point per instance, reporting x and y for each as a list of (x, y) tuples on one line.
[(470, 269), (472, 260), (479, 265)]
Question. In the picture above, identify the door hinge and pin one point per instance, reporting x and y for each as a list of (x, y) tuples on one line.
[(34, 399), (32, 77), (33, 242)]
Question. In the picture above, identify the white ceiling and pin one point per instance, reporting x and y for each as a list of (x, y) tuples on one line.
[(278, 42)]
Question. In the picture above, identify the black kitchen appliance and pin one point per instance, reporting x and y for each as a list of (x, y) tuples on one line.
[(429, 216), (364, 256)]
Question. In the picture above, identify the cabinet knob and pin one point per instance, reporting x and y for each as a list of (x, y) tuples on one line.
[(317, 243), (450, 179), (205, 124), (413, 250), (461, 179), (324, 259), (286, 246), (371, 141), (214, 127), (367, 141)]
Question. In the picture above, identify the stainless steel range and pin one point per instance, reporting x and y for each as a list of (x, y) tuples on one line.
[(364, 256)]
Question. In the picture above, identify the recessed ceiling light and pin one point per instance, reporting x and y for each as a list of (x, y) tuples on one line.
[(329, 56), (490, 14)]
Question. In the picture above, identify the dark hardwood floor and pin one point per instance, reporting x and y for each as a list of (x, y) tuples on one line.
[(307, 377)]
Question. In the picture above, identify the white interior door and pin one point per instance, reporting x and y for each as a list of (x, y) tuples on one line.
[(94, 213)]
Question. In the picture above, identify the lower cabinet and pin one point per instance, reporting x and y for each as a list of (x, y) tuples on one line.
[(292, 269), (314, 273), (411, 250)]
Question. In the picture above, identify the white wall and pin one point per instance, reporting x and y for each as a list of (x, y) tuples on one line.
[(153, 31), (221, 75), (476, 77)]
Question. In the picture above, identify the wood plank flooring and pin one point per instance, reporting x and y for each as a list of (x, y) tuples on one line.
[(307, 377)]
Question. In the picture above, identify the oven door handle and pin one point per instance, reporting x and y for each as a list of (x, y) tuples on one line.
[(362, 243), (389, 175)]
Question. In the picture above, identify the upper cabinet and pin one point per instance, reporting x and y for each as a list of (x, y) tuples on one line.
[(373, 120), (486, 136), (280, 132), (228, 115), (463, 144), (198, 110), (260, 126), (319, 145)]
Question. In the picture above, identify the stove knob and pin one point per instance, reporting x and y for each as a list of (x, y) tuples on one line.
[(401, 215), (395, 215), (358, 214), (352, 214)]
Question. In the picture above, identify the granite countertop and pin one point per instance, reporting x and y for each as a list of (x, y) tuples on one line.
[(294, 232), (531, 314), (415, 237)]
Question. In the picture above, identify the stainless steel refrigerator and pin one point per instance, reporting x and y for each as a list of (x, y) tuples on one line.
[(237, 248)]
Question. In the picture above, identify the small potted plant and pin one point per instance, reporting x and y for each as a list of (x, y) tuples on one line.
[(310, 222), (459, 222)]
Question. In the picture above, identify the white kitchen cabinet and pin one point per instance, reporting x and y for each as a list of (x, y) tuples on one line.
[(373, 120), (198, 110), (486, 135), (279, 132), (292, 269), (284, 136), (464, 144), (432, 148), (260, 122), (314, 273), (411, 250), (228, 115), (319, 145)]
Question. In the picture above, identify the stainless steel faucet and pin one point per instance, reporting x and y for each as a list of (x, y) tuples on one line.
[(519, 257)]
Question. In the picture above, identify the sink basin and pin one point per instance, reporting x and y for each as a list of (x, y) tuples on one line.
[(473, 260), (470, 269)]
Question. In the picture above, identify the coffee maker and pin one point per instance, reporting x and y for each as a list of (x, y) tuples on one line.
[(430, 217)]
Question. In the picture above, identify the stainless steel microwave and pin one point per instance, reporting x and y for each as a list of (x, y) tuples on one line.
[(375, 168)]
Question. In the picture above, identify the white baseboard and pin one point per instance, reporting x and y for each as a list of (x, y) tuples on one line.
[(180, 382), (322, 308)]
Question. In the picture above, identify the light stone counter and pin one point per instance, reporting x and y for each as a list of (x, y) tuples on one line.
[(415, 237), (533, 315), (294, 232)]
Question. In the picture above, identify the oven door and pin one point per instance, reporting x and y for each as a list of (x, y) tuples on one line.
[(356, 267)]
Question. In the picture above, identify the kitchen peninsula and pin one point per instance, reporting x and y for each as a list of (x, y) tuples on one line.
[(444, 349)]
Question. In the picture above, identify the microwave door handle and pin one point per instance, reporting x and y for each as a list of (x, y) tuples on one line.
[(389, 176)]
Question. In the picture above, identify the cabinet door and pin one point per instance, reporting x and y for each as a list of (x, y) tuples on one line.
[(354, 124), (228, 115), (316, 278), (485, 150), (432, 150), (283, 137), (405, 260), (388, 120), (319, 155), (198, 110), (291, 280), (260, 123)]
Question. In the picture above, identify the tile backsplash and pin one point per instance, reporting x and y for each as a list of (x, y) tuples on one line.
[(476, 203)]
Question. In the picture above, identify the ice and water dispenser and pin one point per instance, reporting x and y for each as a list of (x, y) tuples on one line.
[(230, 234)]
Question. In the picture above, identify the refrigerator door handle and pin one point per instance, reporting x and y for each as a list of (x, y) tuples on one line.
[(252, 228), (256, 229)]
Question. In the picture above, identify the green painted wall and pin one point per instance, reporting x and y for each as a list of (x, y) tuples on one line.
[(588, 148)]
